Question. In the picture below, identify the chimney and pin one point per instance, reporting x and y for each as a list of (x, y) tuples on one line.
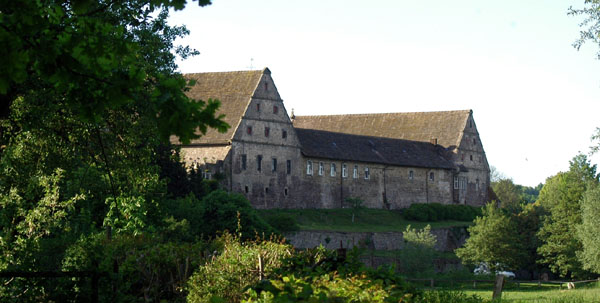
[(433, 141)]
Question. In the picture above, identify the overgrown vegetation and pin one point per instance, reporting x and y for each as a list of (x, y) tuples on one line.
[(435, 212)]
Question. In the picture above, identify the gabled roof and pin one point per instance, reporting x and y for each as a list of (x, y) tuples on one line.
[(345, 147), (445, 126), (233, 89)]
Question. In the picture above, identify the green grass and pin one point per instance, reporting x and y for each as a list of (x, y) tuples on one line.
[(366, 220), (532, 293)]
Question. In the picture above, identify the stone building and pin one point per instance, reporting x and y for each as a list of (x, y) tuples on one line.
[(388, 160)]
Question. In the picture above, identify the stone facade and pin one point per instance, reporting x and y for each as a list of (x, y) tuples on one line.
[(304, 162)]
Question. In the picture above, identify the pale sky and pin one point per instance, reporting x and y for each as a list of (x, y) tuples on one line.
[(535, 98)]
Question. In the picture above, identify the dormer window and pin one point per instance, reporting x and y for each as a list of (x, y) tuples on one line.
[(275, 109)]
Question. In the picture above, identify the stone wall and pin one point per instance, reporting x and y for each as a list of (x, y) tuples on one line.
[(448, 239)]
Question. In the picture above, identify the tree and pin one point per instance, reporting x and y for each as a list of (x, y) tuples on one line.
[(591, 24), (494, 240), (560, 197), (589, 229), (508, 194), (88, 92), (419, 250)]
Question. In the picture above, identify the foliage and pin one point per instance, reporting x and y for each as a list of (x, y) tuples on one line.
[(432, 212), (356, 204), (224, 211), (418, 252), (591, 23), (589, 230), (508, 194), (234, 268), (560, 197), (282, 222), (493, 240)]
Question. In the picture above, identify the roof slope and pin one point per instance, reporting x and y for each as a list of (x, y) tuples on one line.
[(233, 89), (337, 146), (446, 126)]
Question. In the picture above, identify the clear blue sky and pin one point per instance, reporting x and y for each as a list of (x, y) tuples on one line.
[(535, 98)]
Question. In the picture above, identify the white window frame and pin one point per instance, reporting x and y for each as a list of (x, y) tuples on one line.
[(321, 168), (355, 172), (367, 173), (456, 183), (332, 171), (309, 168), (411, 175), (344, 170)]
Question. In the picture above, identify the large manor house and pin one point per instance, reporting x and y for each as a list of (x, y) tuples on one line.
[(389, 160)]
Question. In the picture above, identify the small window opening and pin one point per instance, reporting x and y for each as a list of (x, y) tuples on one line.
[(275, 109), (244, 162), (411, 175), (274, 164), (257, 107), (355, 172), (367, 173), (266, 190), (246, 188), (288, 166), (471, 157), (267, 131), (321, 168), (309, 168), (344, 171), (285, 191), (332, 170), (431, 176), (283, 134), (249, 130), (259, 162)]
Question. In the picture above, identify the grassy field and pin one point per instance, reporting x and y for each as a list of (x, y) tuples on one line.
[(365, 220), (532, 293)]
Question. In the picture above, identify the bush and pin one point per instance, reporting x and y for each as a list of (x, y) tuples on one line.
[(282, 222), (433, 212), (234, 268)]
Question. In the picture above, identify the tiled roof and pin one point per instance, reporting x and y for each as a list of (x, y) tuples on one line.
[(338, 146), (233, 89), (445, 126)]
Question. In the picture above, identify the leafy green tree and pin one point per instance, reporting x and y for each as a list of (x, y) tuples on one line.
[(508, 193), (560, 197), (589, 230), (418, 252), (494, 240)]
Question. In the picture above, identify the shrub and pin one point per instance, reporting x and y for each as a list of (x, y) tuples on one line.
[(282, 222), (235, 268), (433, 212)]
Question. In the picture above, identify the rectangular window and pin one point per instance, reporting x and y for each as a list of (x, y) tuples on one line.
[(411, 175), (288, 166), (321, 168), (274, 164), (259, 162), (244, 162), (257, 107), (355, 172), (431, 176), (266, 131), (249, 130), (275, 109), (455, 182), (462, 182), (332, 170), (367, 173), (344, 171), (309, 169), (283, 134)]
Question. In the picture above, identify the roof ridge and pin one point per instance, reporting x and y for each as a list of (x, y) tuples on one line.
[(389, 113), (231, 72)]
